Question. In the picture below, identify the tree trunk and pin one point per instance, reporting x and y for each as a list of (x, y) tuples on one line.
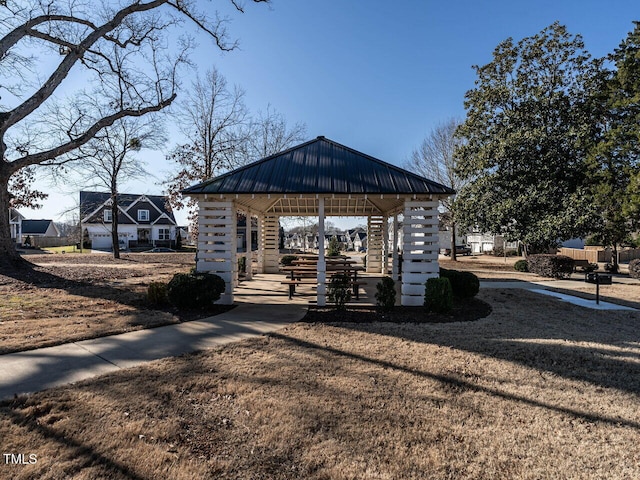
[(614, 258), (454, 257), (9, 256), (114, 224)]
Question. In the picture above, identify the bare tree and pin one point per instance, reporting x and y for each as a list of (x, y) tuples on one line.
[(270, 135), (111, 159), (119, 55), (434, 159), (215, 121)]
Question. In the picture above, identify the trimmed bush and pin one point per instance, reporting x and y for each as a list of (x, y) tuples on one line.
[(287, 260), (611, 268), (552, 266), (157, 293), (592, 267), (521, 266), (338, 290), (194, 290), (438, 295), (634, 268), (463, 284), (386, 294), (333, 250)]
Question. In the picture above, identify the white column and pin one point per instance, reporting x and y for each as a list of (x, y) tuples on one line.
[(248, 256), (270, 242), (374, 243), (420, 249), (385, 245), (322, 266), (217, 243), (260, 244), (395, 260)]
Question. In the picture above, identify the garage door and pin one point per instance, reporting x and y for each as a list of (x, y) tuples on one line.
[(101, 241)]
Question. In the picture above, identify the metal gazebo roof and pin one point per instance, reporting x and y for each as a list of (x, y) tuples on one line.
[(319, 166)]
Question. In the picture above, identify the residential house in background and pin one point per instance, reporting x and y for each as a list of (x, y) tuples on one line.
[(359, 241), (488, 243), (143, 220), (15, 225), (38, 229)]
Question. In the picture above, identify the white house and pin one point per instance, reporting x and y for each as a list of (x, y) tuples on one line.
[(143, 220), (15, 225)]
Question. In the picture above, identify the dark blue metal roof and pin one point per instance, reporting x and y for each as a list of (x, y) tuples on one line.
[(319, 166)]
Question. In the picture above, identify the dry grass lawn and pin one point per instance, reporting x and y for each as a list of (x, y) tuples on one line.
[(74, 297), (537, 390)]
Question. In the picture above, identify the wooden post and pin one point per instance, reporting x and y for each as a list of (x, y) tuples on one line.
[(385, 245)]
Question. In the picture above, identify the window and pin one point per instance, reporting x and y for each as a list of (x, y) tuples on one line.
[(143, 215), (164, 234), (107, 216)]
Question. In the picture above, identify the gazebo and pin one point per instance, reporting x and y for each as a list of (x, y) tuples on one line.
[(321, 178)]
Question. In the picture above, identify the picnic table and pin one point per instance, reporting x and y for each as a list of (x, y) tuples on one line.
[(305, 273)]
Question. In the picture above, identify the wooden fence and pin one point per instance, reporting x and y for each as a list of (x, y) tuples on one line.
[(600, 255), (591, 255), (42, 242)]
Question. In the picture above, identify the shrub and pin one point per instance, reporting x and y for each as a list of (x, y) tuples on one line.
[(338, 290), (438, 296), (157, 293), (287, 260), (333, 250), (592, 267), (194, 290), (521, 266), (463, 284), (634, 268), (386, 294), (611, 267), (553, 266)]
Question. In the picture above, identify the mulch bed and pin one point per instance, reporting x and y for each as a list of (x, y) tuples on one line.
[(464, 310)]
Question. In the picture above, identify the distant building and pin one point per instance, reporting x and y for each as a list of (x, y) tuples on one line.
[(143, 220), (15, 225), (38, 228)]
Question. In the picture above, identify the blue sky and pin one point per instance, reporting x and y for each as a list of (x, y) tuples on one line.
[(374, 75)]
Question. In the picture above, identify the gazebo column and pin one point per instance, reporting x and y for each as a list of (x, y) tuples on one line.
[(270, 244), (394, 249), (322, 265), (420, 249), (375, 240), (249, 256), (260, 252), (217, 243), (385, 245)]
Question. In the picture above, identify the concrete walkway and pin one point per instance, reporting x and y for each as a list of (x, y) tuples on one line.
[(35, 370)]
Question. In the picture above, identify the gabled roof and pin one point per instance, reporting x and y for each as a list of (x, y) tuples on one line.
[(92, 201), (320, 166), (35, 227)]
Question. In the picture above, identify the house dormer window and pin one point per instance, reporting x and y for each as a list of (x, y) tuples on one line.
[(107, 216), (143, 215)]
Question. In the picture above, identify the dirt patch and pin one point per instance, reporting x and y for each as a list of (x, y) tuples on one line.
[(539, 389), (65, 298)]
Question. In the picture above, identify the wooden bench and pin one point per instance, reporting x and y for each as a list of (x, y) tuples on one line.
[(312, 281)]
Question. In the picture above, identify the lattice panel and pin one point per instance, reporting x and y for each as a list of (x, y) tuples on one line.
[(269, 239), (420, 249), (217, 243), (375, 241)]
